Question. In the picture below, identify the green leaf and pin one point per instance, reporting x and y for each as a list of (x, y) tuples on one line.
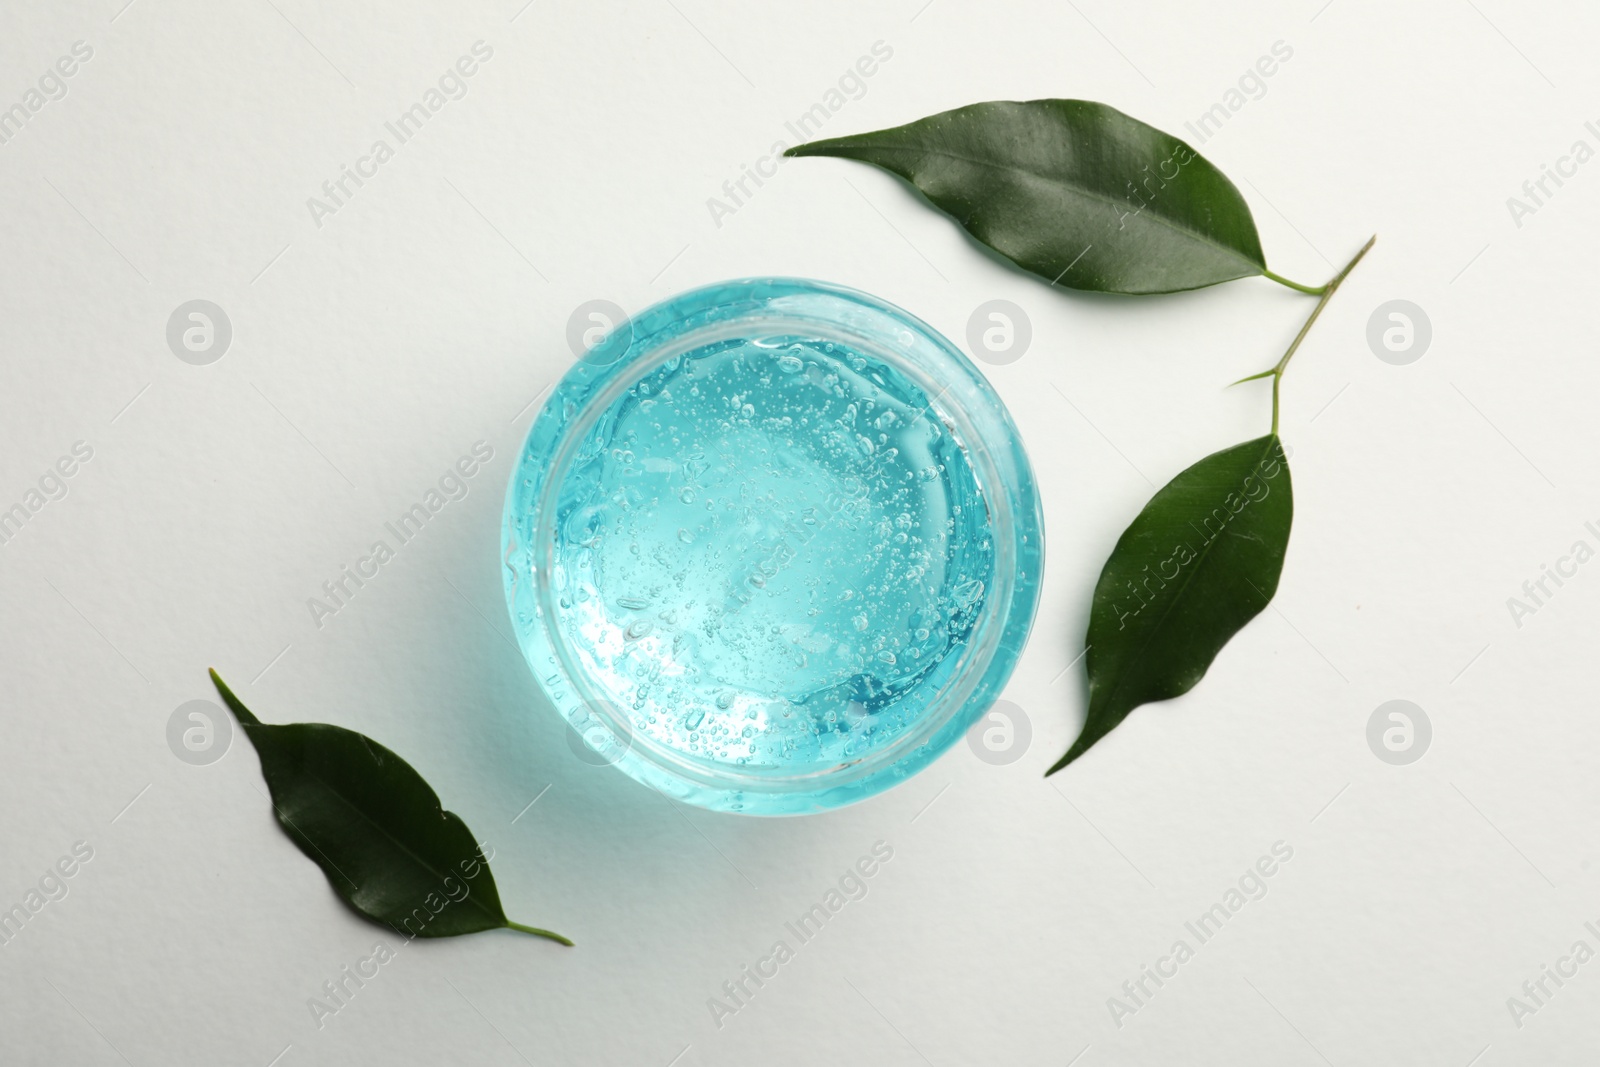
[(1076, 192), (1201, 560), (375, 827)]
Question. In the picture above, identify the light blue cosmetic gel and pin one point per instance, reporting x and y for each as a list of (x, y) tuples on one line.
[(772, 546)]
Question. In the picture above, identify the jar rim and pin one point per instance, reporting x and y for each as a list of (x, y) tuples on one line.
[(962, 399)]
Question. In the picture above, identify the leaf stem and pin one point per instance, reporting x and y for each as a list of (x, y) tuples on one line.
[(535, 931), (1281, 280), (1327, 292)]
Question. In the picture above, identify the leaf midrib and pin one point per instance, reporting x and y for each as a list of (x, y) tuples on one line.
[(423, 863), (1118, 686), (1091, 194)]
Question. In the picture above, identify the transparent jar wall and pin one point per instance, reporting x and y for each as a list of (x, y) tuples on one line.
[(964, 402)]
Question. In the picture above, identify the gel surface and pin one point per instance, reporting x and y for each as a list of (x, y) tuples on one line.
[(770, 554)]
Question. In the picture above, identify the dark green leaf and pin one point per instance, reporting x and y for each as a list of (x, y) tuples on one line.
[(375, 827), (1076, 192), (1200, 561)]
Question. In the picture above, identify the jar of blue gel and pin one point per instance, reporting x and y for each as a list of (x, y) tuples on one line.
[(772, 546)]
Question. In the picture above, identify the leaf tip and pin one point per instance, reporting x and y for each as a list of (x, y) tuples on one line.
[(1078, 748), (828, 146), (242, 713), (1096, 725)]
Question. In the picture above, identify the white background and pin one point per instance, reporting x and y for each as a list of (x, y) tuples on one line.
[(371, 351)]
